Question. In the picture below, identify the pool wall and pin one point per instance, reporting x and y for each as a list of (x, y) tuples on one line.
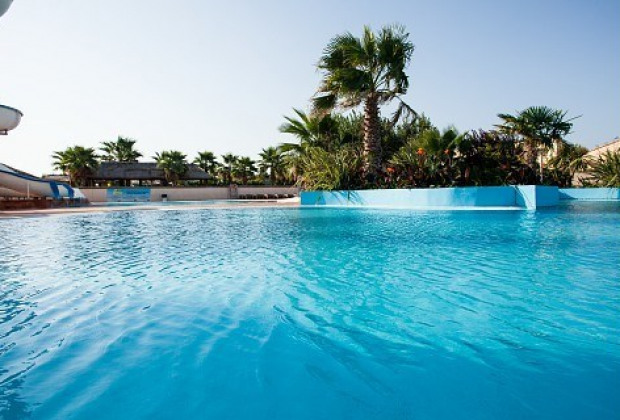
[(590, 194), (523, 196), (97, 195)]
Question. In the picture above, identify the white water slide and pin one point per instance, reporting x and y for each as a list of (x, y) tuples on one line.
[(18, 184), (9, 118), (14, 183), (4, 6)]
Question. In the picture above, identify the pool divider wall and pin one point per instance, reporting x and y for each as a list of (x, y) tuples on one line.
[(528, 197)]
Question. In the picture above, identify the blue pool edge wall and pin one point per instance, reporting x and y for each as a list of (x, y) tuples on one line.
[(590, 194), (528, 197)]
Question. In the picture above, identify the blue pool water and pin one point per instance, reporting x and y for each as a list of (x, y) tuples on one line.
[(312, 314)]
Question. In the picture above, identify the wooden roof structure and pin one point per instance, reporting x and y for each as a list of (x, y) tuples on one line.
[(142, 171)]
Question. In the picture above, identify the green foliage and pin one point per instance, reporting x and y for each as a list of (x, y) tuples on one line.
[(354, 68), (411, 167), (538, 127), (327, 131), (449, 159), (347, 130), (226, 169), (323, 170), (272, 162), (396, 135), (120, 150), (312, 129), (539, 124), (173, 163), (604, 171), (207, 162), (77, 162), (561, 168), (491, 158), (244, 168)]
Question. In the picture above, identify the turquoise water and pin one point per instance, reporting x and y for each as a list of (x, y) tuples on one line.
[(312, 314)]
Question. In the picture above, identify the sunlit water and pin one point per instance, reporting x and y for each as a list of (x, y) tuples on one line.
[(312, 314)]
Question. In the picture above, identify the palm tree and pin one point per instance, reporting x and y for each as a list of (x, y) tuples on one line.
[(369, 70), (312, 129), (244, 168), (605, 170), (539, 127), (77, 162), (569, 160), (120, 150), (292, 156), (229, 160), (173, 163), (207, 162), (271, 160)]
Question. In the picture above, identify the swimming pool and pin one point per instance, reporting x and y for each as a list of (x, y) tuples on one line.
[(312, 313)]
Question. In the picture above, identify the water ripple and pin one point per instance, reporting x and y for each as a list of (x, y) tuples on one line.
[(260, 313)]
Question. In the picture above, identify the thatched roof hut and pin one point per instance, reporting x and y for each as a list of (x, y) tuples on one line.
[(142, 171)]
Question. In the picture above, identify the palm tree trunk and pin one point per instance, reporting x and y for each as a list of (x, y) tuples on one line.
[(532, 156), (372, 137)]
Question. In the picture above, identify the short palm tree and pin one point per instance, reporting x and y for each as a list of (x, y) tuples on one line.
[(244, 168), (272, 162), (371, 71), (229, 160), (173, 163), (76, 162), (207, 162), (569, 160), (292, 160), (539, 127), (311, 129), (120, 150), (434, 142), (605, 170)]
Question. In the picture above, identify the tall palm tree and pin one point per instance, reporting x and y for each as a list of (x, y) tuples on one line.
[(173, 163), (120, 150), (539, 127), (371, 71), (207, 162), (77, 162), (271, 161), (244, 168), (229, 160)]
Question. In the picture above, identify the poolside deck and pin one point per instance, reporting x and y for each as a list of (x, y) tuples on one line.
[(287, 202)]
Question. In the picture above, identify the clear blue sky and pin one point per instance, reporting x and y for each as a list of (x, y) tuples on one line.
[(200, 75)]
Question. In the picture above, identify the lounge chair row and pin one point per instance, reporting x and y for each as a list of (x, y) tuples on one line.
[(264, 196)]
